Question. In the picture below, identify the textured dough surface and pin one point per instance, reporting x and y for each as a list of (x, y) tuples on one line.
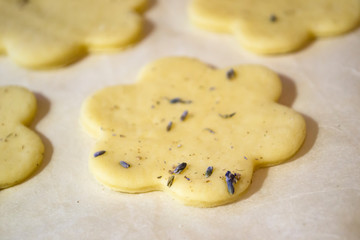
[(21, 149), (276, 26), (130, 123), (51, 33)]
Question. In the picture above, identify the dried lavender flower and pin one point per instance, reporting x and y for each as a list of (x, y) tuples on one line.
[(180, 168)]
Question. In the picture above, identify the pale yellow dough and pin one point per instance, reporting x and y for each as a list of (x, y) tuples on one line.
[(129, 122), (276, 26), (51, 33), (21, 149)]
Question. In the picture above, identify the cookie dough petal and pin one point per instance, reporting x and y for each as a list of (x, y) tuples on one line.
[(208, 15), (178, 69), (113, 32), (42, 51), (271, 39), (22, 152), (140, 176), (332, 17), (207, 193), (273, 134), (110, 103), (17, 105), (257, 79)]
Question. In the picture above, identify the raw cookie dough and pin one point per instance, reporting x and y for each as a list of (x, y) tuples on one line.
[(51, 33), (276, 26), (21, 149), (184, 111)]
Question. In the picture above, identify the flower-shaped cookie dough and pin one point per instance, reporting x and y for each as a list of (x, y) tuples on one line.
[(184, 125), (21, 149), (50, 33), (276, 26)]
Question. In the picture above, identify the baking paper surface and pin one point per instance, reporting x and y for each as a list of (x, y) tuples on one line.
[(315, 195)]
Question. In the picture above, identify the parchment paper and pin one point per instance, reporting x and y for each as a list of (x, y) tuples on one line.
[(315, 195)]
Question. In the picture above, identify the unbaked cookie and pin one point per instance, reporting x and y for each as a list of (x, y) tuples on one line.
[(51, 33), (276, 26), (193, 131), (21, 149)]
